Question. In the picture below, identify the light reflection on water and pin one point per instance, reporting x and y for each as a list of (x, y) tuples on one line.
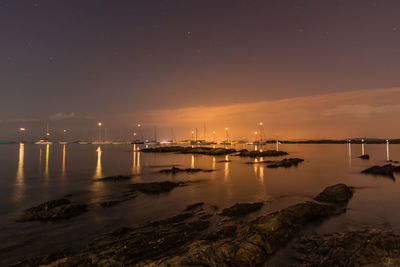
[(24, 185)]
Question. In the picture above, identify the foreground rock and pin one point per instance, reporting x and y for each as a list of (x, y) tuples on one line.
[(190, 150), (181, 240), (285, 163), (258, 153), (385, 170), (241, 209), (365, 247), (175, 170), (54, 210), (339, 193)]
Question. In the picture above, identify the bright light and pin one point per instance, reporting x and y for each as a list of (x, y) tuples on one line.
[(226, 129), (213, 132), (65, 131), (134, 134), (261, 124), (47, 134), (100, 124), (192, 132), (22, 129), (138, 125), (255, 132)]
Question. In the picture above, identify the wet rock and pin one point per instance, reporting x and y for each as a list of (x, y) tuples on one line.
[(241, 209), (194, 206), (366, 156), (364, 247), (175, 170), (206, 216), (226, 231), (339, 193), (54, 210), (224, 161), (258, 153), (385, 170), (156, 187), (286, 163), (115, 178)]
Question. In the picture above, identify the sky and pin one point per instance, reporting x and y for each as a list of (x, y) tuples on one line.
[(306, 69)]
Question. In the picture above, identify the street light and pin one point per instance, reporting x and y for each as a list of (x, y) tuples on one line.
[(213, 136), (99, 124), (255, 134), (192, 135), (22, 130), (227, 135)]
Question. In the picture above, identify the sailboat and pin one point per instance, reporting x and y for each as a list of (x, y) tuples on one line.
[(45, 141)]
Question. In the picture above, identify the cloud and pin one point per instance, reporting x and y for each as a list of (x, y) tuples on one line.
[(336, 115), (62, 116), (23, 120)]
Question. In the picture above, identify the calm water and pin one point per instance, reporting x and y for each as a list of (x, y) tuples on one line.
[(32, 174)]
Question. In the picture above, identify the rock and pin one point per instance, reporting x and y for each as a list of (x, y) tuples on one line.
[(180, 241), (174, 170), (190, 150), (156, 187), (54, 210), (363, 247), (194, 206), (339, 193), (258, 153), (224, 161), (366, 156), (241, 209), (115, 178), (226, 231), (385, 170), (286, 163)]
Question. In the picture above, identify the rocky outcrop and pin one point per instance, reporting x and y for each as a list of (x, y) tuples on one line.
[(258, 153), (366, 156), (182, 240), (364, 247), (241, 209), (54, 210), (190, 150), (175, 170), (339, 193), (285, 163), (385, 170)]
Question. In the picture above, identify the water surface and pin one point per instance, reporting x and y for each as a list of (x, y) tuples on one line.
[(32, 174)]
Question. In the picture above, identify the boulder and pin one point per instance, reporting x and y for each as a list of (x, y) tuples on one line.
[(339, 193), (241, 209), (53, 210)]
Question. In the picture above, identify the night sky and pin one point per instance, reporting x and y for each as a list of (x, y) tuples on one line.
[(307, 69)]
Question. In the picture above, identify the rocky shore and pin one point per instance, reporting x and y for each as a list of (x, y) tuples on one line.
[(191, 239), (175, 170), (385, 170), (259, 153), (190, 150)]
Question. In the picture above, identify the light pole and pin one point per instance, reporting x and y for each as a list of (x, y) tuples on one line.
[(22, 130), (227, 135), (261, 131), (213, 136), (99, 124), (192, 135), (255, 136), (65, 133)]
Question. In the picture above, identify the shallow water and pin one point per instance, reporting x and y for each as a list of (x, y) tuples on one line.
[(32, 174)]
